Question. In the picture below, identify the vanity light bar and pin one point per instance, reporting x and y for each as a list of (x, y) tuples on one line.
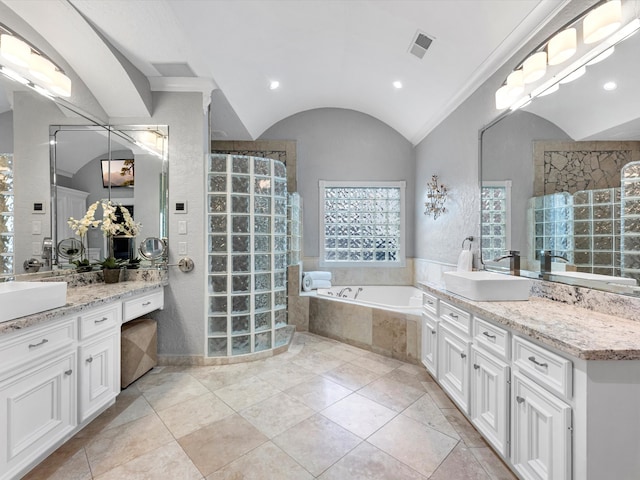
[(22, 62), (626, 31), (597, 23)]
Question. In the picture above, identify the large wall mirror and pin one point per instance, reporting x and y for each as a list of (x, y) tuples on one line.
[(126, 165), (51, 154), (561, 179)]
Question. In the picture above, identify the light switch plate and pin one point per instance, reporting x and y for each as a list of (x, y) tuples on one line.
[(182, 227), (182, 248), (36, 227), (36, 248)]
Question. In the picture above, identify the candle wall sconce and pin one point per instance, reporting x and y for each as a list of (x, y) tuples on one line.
[(436, 197)]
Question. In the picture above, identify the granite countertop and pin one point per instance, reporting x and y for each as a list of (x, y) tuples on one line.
[(577, 331), (82, 298)]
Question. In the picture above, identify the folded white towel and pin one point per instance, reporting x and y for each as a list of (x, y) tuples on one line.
[(465, 261), (309, 284), (318, 275)]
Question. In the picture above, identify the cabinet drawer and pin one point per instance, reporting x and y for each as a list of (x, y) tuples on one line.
[(546, 368), (138, 306), (102, 320), (430, 303), (459, 318), (492, 338), (36, 342)]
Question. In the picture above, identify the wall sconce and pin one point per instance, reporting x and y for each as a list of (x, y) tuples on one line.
[(598, 24), (23, 63), (436, 196)]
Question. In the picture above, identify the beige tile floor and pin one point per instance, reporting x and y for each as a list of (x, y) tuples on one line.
[(321, 410)]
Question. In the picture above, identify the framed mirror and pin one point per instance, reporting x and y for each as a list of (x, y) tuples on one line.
[(124, 165), (559, 179)]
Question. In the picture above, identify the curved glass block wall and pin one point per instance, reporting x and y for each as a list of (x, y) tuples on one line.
[(6, 214), (247, 255)]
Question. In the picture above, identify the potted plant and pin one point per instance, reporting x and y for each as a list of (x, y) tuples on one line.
[(111, 268)]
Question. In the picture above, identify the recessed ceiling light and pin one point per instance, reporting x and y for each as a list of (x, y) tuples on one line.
[(397, 84), (274, 84), (610, 86)]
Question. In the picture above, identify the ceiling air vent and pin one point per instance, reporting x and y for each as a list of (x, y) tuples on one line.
[(420, 44)]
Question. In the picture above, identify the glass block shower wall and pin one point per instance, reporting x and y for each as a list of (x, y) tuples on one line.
[(596, 215), (6, 214), (247, 255), (294, 228), (630, 221), (553, 224)]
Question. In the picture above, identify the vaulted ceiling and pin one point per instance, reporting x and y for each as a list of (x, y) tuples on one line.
[(324, 53)]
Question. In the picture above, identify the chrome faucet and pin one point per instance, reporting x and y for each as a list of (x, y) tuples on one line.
[(359, 290), (514, 261), (341, 294), (545, 261)]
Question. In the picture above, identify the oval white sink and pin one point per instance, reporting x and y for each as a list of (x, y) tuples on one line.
[(18, 299), (487, 286)]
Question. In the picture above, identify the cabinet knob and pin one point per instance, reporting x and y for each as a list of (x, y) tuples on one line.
[(463, 355), (533, 359), (68, 372), (433, 332), (476, 366), (519, 399), (90, 359), (42, 342)]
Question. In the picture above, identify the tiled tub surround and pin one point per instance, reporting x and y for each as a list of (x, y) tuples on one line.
[(601, 354), (385, 331), (364, 275)]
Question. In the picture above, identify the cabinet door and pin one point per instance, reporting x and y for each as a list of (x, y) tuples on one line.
[(453, 365), (490, 398), (541, 432), (99, 374), (37, 409), (430, 344)]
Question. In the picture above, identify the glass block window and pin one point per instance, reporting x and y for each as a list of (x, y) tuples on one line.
[(6, 214), (362, 223), (496, 219)]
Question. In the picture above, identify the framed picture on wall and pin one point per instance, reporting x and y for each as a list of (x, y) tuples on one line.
[(119, 174)]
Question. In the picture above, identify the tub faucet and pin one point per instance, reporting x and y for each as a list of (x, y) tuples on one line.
[(545, 261), (342, 294), (358, 292), (514, 261)]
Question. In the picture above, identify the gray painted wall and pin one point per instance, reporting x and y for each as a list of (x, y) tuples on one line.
[(6, 132), (181, 323), (339, 144), (507, 154)]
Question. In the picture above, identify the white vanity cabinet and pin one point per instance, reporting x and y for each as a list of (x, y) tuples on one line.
[(430, 322), (38, 377), (99, 359), (454, 350), (517, 393), (490, 378)]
